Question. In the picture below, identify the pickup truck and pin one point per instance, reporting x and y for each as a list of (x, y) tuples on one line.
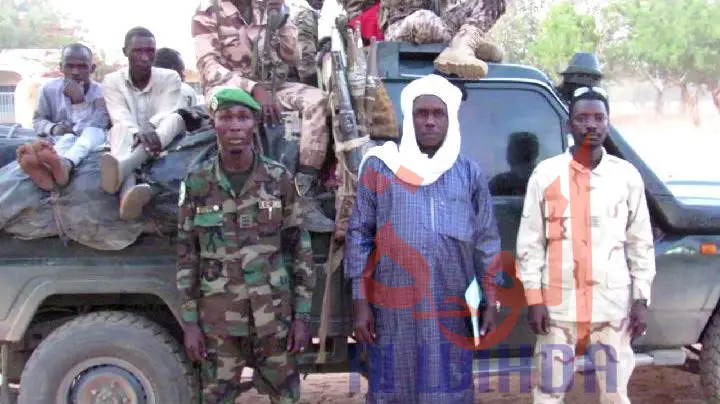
[(77, 324)]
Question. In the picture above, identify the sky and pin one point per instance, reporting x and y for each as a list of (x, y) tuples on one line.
[(107, 21)]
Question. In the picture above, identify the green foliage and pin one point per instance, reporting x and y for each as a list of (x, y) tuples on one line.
[(562, 33), (41, 26), (518, 28), (676, 41)]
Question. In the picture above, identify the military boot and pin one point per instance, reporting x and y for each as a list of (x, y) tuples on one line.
[(313, 219), (114, 170), (468, 54), (133, 198)]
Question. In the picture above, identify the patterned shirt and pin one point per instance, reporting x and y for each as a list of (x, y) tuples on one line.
[(54, 108), (590, 261), (242, 260)]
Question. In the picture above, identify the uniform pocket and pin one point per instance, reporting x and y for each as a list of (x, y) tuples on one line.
[(270, 216), (213, 278), (281, 294), (209, 230)]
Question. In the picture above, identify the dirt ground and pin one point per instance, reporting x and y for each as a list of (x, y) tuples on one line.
[(671, 385)]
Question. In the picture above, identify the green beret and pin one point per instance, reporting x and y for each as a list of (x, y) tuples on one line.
[(228, 97)]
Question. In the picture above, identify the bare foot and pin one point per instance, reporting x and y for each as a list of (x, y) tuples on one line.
[(39, 174), (59, 169)]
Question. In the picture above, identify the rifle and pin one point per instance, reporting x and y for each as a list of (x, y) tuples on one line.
[(347, 120), (274, 19)]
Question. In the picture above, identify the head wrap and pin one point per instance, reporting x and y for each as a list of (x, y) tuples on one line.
[(418, 168), (227, 96)]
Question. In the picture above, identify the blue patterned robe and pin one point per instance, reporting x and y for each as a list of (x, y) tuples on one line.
[(444, 234)]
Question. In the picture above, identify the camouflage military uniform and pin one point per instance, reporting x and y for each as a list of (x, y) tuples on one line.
[(238, 280), (416, 20), (230, 51), (306, 21)]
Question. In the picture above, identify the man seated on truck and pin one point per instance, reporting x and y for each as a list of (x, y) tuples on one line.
[(71, 111), (245, 268), (230, 48), (464, 24), (591, 205), (167, 58), (142, 101)]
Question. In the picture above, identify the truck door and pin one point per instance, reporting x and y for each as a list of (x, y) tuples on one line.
[(509, 127)]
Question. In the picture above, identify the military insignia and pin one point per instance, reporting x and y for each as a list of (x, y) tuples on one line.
[(182, 193), (206, 209), (214, 103), (270, 205), (245, 221)]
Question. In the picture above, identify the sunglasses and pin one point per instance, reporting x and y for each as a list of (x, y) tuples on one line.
[(584, 90)]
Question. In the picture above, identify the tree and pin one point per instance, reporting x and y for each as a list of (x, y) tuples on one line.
[(34, 24), (518, 28), (671, 43), (563, 33)]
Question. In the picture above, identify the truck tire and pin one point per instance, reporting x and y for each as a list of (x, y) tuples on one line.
[(117, 356), (710, 361)]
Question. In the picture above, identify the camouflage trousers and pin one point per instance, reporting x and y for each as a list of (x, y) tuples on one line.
[(312, 103), (307, 23), (274, 368), (424, 26), (609, 349)]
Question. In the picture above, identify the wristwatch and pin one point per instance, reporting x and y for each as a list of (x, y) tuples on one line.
[(644, 302)]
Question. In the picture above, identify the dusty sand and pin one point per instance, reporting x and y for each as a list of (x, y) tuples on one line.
[(676, 385)]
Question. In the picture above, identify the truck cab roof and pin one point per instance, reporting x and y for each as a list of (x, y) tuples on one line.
[(487, 121), (401, 60)]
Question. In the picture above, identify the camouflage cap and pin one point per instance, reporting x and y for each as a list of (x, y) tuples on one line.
[(227, 97)]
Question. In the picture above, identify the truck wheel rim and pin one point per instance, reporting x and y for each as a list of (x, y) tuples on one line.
[(105, 380)]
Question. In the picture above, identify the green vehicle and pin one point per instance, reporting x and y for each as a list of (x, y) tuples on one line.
[(78, 324)]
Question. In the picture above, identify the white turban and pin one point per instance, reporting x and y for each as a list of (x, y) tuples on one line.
[(408, 155)]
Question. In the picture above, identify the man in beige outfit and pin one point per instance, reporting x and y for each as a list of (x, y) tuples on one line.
[(586, 258), (142, 101)]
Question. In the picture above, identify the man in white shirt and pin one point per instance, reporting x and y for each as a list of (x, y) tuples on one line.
[(70, 113), (142, 101), (586, 257), (167, 58)]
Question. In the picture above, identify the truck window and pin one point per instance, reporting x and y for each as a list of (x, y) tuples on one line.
[(508, 131)]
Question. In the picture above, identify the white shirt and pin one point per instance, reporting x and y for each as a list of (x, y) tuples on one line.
[(615, 266)]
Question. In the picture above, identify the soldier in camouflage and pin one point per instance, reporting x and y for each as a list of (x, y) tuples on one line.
[(244, 266), (305, 15), (463, 23), (229, 40)]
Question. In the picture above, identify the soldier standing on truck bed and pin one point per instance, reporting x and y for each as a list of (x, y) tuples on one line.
[(586, 257), (229, 44), (305, 14), (463, 23), (244, 266)]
